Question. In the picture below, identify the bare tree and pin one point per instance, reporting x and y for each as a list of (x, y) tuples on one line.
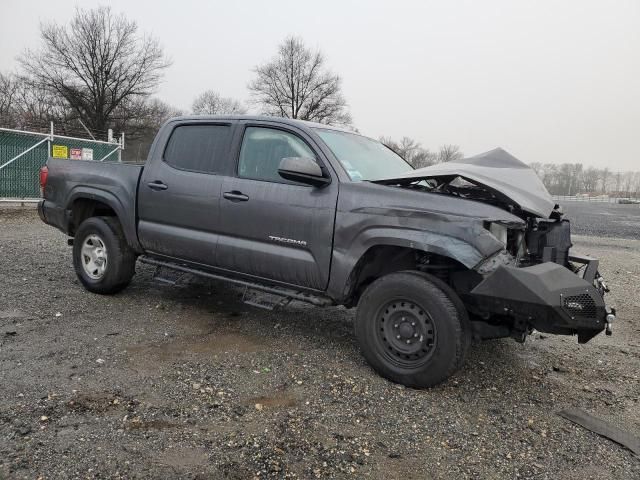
[(96, 62), (618, 182), (449, 153), (628, 182), (405, 147), (8, 93), (604, 177), (141, 120), (636, 192), (211, 103), (590, 178), (423, 157), (142, 117), (538, 168), (295, 84), (25, 104), (411, 151)]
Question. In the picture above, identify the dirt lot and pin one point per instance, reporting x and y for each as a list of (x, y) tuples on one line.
[(188, 382), (604, 219)]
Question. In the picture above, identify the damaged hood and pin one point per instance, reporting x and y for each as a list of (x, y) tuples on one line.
[(496, 170)]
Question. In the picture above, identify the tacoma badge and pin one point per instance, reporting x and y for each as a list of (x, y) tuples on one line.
[(302, 243)]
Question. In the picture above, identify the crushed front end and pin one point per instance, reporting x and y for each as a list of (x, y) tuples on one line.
[(537, 283), (534, 281)]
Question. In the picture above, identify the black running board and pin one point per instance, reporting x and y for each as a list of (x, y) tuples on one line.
[(318, 300), (264, 300)]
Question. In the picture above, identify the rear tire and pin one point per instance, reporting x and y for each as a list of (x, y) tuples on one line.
[(412, 328), (103, 261)]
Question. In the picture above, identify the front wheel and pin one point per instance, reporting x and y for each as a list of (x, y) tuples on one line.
[(103, 261), (412, 329)]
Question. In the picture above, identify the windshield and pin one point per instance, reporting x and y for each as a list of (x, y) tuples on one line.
[(362, 157)]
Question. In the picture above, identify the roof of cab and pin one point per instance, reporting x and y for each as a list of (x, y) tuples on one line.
[(286, 121)]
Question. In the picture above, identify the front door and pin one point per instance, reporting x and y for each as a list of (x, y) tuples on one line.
[(270, 227), (179, 193)]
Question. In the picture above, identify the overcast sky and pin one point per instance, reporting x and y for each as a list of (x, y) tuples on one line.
[(549, 81)]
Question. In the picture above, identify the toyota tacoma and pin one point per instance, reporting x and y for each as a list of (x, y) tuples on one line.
[(432, 258)]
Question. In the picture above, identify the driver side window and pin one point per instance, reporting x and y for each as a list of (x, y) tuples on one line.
[(264, 148)]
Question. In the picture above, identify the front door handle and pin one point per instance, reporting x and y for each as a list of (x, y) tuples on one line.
[(157, 185), (235, 196)]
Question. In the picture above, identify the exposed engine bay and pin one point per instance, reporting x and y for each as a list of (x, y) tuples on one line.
[(495, 177)]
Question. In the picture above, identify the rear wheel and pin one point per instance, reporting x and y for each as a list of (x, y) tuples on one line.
[(412, 329), (103, 261)]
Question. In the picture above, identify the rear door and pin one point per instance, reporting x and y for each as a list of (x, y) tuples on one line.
[(270, 227), (179, 192)]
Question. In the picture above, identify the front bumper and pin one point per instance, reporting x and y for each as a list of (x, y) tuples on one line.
[(548, 297)]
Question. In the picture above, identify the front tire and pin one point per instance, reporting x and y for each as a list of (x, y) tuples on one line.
[(412, 329), (103, 261)]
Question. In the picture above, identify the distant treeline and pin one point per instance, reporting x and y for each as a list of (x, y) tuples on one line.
[(575, 179)]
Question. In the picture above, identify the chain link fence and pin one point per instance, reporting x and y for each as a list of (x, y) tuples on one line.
[(22, 153)]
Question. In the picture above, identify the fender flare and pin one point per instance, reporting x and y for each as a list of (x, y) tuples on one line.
[(127, 220)]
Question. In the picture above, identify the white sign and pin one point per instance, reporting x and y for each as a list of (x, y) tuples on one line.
[(87, 154)]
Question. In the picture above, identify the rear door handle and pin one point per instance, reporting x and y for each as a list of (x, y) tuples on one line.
[(235, 196), (157, 185)]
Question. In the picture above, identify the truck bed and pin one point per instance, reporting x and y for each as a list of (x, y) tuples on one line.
[(71, 179)]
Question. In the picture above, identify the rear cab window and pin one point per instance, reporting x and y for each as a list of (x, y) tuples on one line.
[(198, 147)]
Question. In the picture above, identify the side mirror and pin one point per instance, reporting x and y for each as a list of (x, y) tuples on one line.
[(303, 170)]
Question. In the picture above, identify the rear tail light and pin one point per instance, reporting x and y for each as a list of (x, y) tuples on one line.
[(44, 176)]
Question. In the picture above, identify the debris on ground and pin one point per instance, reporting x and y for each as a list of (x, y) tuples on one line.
[(602, 428)]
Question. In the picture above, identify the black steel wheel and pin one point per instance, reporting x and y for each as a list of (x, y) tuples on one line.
[(412, 328), (407, 334)]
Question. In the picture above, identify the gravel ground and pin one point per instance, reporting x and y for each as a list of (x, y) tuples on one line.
[(603, 219), (189, 382)]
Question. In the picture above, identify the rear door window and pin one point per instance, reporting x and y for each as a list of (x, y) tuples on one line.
[(198, 148)]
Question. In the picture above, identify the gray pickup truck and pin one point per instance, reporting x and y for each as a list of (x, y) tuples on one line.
[(432, 258)]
